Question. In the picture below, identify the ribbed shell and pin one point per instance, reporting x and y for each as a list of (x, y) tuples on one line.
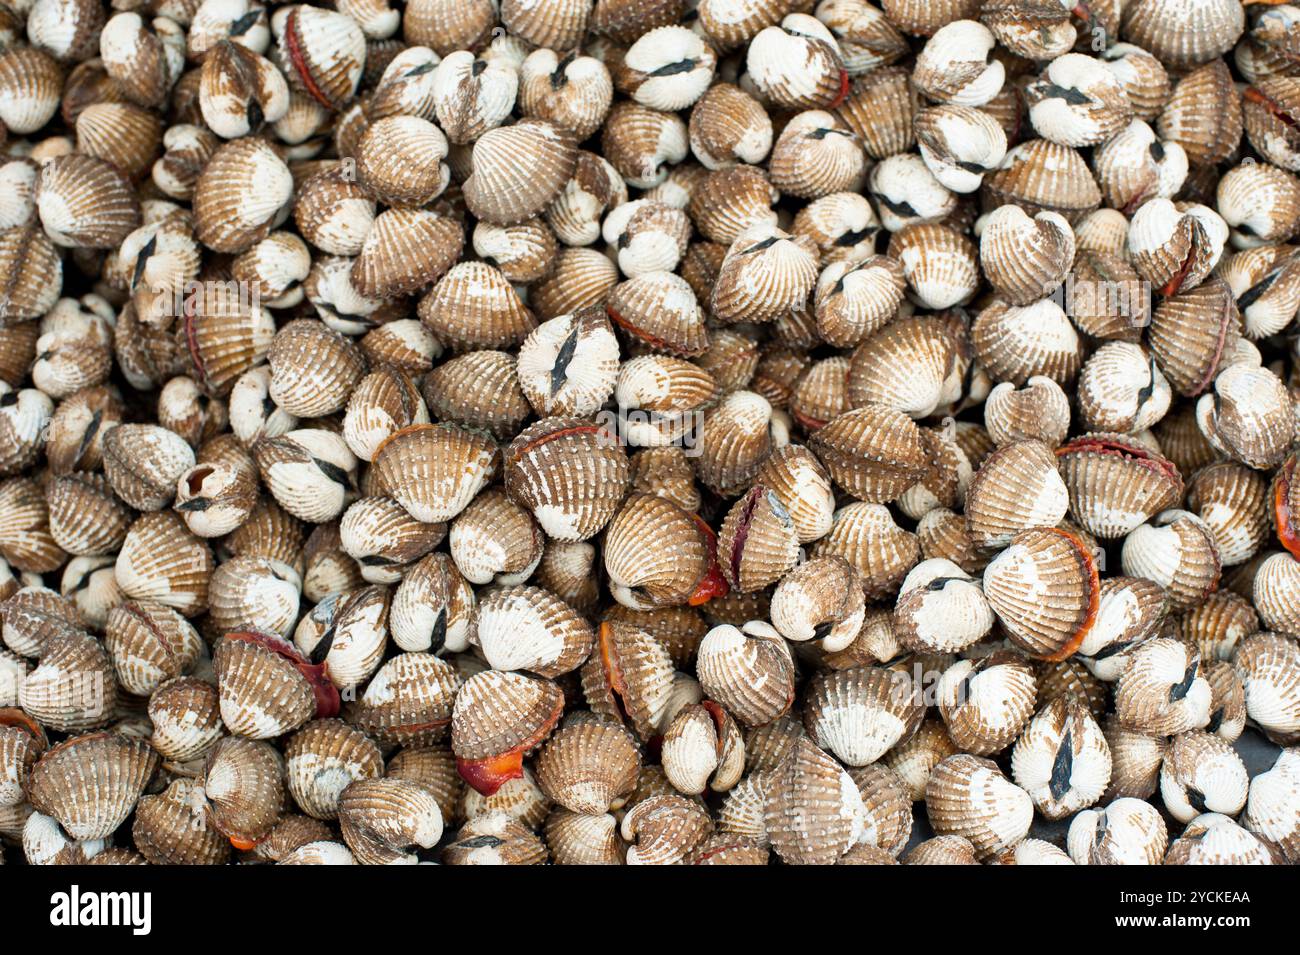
[(244, 783), (1181, 33), (405, 250), (31, 274), (589, 767), (570, 473), (873, 452), (497, 192), (85, 202), (938, 262), (314, 369), (149, 644), (324, 53), (1042, 176), (1162, 690), (263, 693), (322, 759), (171, 828), (33, 82), (1116, 484), (480, 390), (240, 195), (408, 702), (1267, 665), (758, 542), (91, 783), (474, 306), (813, 812), (655, 553), (569, 365), (968, 796), (861, 713), (629, 676), (748, 671), (499, 713), (1045, 591), (434, 470), (984, 703), (186, 718), (1204, 115), (528, 628), (161, 560), (1016, 488)]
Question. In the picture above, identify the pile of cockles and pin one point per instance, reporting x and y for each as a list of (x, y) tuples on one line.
[(649, 432)]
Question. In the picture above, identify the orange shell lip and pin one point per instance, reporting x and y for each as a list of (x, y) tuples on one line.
[(13, 716), (843, 94), (719, 715), (717, 850), (613, 671), (1253, 95), (1123, 449), (712, 584), (488, 775), (1176, 280), (1286, 534), (807, 422), (631, 329), (298, 60), (560, 433), (328, 702), (1094, 597)]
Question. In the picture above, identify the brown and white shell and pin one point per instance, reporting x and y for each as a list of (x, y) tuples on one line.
[(570, 473)]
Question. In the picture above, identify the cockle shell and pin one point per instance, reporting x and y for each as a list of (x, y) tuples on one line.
[(589, 767), (149, 644), (381, 818), (814, 812), (267, 688), (91, 783), (820, 599), (873, 452), (1162, 690), (749, 671), (85, 202), (1062, 759), (858, 714), (986, 703), (1045, 591), (1128, 831), (940, 608), (1115, 484), (495, 191), (498, 717), (322, 759), (819, 81), (665, 569), (323, 52), (240, 195), (1176, 550), (968, 796), (434, 470), (1202, 773), (1265, 662), (408, 701), (570, 473)]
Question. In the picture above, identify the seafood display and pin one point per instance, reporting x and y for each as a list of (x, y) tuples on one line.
[(649, 432)]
